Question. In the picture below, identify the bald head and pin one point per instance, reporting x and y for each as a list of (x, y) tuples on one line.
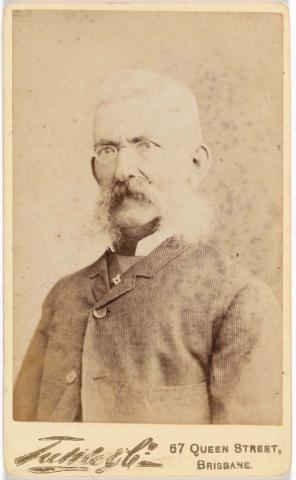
[(162, 99), (124, 84)]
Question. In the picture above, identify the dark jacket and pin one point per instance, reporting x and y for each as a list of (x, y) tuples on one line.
[(187, 337)]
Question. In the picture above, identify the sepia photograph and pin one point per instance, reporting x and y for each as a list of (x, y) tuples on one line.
[(148, 231), (164, 327)]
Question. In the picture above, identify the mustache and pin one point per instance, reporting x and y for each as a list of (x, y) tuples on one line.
[(135, 188)]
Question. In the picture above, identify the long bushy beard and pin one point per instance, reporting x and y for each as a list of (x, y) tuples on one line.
[(185, 215), (139, 190)]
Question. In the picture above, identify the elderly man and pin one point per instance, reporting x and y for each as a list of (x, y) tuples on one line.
[(163, 328)]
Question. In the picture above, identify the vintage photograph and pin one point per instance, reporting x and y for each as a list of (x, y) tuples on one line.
[(147, 217)]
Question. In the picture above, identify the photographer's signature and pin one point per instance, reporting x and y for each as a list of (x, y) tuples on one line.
[(50, 460)]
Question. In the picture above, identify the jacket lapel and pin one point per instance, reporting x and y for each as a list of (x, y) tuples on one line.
[(145, 267), (99, 275)]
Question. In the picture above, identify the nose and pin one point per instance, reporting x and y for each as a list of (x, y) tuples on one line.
[(127, 164)]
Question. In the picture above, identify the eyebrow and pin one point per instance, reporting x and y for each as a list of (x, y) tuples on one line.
[(137, 139), (105, 141)]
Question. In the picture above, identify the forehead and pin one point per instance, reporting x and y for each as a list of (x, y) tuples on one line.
[(144, 116)]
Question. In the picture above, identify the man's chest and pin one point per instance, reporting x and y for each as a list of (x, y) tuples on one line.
[(138, 317)]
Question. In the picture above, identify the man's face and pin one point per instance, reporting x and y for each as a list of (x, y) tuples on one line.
[(143, 157)]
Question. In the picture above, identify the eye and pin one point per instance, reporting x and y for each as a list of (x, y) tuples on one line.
[(106, 153), (145, 145)]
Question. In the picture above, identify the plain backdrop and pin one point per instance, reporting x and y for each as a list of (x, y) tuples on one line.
[(232, 61)]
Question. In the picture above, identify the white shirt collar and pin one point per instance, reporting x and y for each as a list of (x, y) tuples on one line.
[(149, 243)]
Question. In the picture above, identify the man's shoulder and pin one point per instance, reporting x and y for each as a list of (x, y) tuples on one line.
[(208, 257), (78, 280), (224, 282), (215, 268)]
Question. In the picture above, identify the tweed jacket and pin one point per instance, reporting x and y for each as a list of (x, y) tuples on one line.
[(187, 337)]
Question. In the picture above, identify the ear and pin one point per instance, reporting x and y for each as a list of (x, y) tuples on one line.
[(201, 161), (94, 170)]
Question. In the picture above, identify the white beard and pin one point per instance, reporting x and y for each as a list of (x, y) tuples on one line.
[(188, 216)]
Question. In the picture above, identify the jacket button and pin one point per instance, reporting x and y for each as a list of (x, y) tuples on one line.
[(71, 377), (101, 313)]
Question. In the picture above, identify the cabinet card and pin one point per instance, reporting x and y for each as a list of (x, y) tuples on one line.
[(147, 239)]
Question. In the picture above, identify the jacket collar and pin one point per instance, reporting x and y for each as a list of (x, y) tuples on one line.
[(159, 257), (147, 266)]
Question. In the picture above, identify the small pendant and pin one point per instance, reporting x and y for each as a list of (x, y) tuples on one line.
[(117, 279)]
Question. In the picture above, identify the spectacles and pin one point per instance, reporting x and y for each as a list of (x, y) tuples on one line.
[(107, 153)]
